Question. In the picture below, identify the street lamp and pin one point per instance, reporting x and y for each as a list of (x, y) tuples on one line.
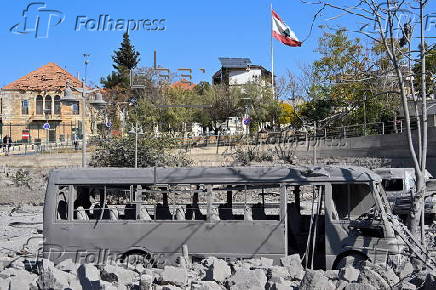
[(70, 99), (137, 130), (246, 116)]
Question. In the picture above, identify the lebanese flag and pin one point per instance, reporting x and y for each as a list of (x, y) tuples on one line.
[(282, 32)]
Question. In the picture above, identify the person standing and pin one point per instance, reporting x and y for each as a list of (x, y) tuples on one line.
[(7, 143), (75, 142)]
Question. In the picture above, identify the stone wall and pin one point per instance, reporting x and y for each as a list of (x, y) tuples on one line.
[(14, 120)]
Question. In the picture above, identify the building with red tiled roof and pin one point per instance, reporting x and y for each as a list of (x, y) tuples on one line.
[(35, 99), (183, 84), (49, 77)]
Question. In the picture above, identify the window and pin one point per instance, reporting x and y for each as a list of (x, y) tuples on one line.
[(62, 203), (39, 105), (392, 184), (246, 202), (75, 108), (57, 105), (352, 200), (25, 107), (47, 108), (176, 203)]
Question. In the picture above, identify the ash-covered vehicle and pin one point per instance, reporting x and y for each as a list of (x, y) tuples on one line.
[(399, 185), (330, 216)]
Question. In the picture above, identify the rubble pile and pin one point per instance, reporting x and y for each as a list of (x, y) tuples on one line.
[(211, 274), (22, 186)]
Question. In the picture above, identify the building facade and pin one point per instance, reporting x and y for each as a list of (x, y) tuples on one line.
[(240, 71), (31, 110)]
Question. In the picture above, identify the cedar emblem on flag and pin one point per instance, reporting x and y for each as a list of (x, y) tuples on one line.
[(283, 32)]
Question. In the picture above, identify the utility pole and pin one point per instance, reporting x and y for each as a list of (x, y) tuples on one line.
[(136, 130), (314, 145), (86, 62)]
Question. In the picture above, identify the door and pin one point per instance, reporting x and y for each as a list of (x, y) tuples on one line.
[(306, 224), (52, 135), (352, 222)]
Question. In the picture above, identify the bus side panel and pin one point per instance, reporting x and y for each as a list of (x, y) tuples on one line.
[(49, 210), (221, 239)]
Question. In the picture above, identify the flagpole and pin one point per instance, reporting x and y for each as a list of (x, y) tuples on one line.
[(272, 54)]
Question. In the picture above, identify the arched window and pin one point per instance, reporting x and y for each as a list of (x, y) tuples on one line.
[(39, 105), (57, 105), (47, 108), (75, 109)]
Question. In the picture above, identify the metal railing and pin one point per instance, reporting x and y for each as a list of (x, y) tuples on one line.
[(29, 148), (288, 136)]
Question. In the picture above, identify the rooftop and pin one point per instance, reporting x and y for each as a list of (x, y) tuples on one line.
[(213, 175), (50, 77)]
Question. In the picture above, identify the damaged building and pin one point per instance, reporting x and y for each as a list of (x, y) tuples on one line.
[(34, 100)]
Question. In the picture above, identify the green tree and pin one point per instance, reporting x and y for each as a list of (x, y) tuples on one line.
[(125, 59)]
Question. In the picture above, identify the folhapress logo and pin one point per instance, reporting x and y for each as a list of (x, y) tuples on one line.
[(38, 20)]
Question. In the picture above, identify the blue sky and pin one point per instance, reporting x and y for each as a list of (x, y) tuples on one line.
[(197, 33)]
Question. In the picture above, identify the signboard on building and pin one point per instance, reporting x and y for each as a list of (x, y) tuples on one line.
[(25, 135), (247, 121), (46, 126)]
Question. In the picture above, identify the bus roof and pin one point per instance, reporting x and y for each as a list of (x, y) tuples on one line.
[(210, 175)]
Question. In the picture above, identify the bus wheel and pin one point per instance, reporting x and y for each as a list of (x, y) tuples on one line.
[(354, 259), (135, 258)]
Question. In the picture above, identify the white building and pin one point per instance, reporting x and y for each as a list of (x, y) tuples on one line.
[(239, 71)]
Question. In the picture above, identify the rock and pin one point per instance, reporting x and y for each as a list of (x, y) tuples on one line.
[(108, 286), (316, 280), (406, 286), (111, 273), (248, 279), (406, 271), (140, 268), (167, 287), (371, 277), (332, 274), (341, 284), (53, 278), (89, 276), (174, 275), (359, 286), (68, 266), (20, 279), (206, 285), (349, 274), (4, 262), (257, 263), (293, 264), (390, 276), (217, 270), (265, 262), (278, 272), (199, 270), (4, 283), (290, 260), (284, 285), (146, 282)]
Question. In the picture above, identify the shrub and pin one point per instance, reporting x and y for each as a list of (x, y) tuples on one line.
[(246, 155), (152, 151)]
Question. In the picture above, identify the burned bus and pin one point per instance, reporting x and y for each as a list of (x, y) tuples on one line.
[(330, 216)]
